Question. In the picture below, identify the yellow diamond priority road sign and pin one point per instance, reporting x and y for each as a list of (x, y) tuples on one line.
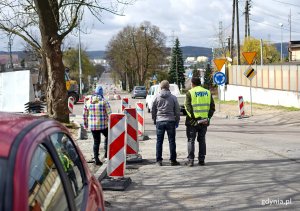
[(250, 73)]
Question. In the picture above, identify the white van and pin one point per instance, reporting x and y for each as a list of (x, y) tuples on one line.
[(155, 89)]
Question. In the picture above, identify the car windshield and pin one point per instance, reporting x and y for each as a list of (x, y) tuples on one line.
[(140, 88)]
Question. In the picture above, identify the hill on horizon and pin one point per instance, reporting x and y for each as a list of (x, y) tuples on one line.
[(187, 51)]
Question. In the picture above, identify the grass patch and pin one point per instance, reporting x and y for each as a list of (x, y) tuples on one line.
[(256, 105)]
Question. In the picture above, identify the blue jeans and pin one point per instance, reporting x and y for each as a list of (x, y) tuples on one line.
[(161, 127)]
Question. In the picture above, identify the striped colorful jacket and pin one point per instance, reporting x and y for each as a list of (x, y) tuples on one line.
[(96, 112)]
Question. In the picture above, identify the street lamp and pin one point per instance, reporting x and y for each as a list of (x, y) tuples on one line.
[(79, 58), (281, 26)]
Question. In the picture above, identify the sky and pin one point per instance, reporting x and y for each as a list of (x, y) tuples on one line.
[(194, 22)]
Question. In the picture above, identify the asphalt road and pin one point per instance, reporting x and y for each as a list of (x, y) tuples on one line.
[(252, 163)]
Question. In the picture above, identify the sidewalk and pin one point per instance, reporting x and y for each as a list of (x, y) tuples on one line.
[(86, 147)]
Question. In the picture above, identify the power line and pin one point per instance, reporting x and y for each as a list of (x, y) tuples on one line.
[(271, 25), (287, 3)]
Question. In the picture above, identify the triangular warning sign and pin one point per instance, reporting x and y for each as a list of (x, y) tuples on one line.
[(249, 56), (219, 63)]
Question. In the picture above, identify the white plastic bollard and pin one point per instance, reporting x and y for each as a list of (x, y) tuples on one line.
[(241, 106)]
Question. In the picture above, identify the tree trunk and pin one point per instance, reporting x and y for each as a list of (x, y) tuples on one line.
[(51, 51), (56, 87)]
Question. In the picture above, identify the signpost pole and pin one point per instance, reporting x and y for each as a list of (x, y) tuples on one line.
[(250, 72), (224, 92), (251, 96), (219, 96)]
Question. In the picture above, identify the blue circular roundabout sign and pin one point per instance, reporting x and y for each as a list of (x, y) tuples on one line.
[(219, 78)]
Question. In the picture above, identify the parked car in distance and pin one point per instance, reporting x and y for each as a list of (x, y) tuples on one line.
[(139, 91), (42, 168), (155, 89)]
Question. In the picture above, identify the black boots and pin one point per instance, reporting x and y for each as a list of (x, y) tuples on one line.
[(98, 162)]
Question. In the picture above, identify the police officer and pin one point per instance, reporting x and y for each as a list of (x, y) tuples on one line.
[(200, 107)]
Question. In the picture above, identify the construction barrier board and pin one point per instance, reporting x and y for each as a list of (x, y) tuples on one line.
[(116, 145)]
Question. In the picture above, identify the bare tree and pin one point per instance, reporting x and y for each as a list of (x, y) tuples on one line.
[(136, 52), (44, 24)]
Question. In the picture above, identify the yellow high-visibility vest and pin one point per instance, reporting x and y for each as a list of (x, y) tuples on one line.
[(200, 98)]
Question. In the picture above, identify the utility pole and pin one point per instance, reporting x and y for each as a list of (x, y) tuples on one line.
[(11, 65), (221, 44), (232, 31), (238, 33), (246, 19), (290, 23)]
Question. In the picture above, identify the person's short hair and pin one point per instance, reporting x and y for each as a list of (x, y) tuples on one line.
[(196, 81), (164, 84)]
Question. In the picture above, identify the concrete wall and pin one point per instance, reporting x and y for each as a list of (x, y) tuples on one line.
[(261, 96)]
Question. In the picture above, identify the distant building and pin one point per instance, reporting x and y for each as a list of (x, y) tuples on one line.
[(202, 59), (5, 61), (190, 60), (103, 62), (294, 50)]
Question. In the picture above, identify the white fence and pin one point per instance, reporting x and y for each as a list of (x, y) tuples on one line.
[(272, 85)]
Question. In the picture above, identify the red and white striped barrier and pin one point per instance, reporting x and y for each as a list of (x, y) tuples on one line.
[(241, 106), (132, 147), (140, 118), (117, 97), (116, 146), (71, 104), (124, 103), (86, 99)]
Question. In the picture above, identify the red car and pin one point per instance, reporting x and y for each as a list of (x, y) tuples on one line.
[(42, 168)]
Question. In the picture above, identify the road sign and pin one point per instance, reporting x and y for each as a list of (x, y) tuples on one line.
[(250, 73), (219, 63), (190, 75), (249, 56), (219, 78)]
